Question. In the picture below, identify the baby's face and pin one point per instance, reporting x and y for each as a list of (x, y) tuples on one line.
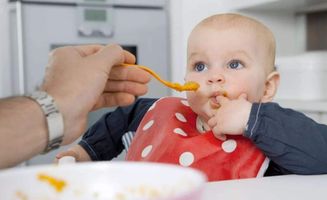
[(229, 60)]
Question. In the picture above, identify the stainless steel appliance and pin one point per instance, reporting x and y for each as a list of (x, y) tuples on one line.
[(38, 26)]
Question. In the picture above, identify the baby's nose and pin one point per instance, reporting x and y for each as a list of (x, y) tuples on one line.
[(216, 78)]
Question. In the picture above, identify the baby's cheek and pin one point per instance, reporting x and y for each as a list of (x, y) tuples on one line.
[(255, 93), (252, 96), (193, 76), (251, 92), (191, 98), (194, 101), (235, 95)]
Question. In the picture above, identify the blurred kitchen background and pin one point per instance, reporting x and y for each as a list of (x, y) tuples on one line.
[(156, 32)]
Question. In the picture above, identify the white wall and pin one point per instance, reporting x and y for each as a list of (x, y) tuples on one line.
[(4, 50), (288, 29)]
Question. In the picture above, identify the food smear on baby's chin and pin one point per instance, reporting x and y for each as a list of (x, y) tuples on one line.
[(57, 184)]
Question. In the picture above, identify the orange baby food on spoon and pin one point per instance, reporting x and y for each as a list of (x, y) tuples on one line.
[(188, 86)]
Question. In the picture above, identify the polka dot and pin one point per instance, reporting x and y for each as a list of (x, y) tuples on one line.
[(185, 103), (148, 125), (180, 131), (229, 146), (146, 151), (186, 159), (153, 106), (180, 117)]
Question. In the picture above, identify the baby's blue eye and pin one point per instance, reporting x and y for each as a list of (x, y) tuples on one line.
[(199, 67), (235, 64)]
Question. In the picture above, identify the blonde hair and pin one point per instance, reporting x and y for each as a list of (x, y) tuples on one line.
[(230, 20)]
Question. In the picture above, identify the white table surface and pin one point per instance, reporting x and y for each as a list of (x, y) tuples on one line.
[(269, 188)]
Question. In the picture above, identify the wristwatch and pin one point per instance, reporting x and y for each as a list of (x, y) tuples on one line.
[(54, 118)]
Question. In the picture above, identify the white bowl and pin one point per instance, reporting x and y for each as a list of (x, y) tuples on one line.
[(103, 180)]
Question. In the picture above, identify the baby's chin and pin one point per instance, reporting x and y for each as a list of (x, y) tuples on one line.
[(207, 113)]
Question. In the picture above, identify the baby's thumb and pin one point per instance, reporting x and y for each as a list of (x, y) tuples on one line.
[(221, 137), (61, 154), (65, 153)]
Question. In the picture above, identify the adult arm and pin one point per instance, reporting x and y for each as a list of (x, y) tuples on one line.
[(80, 79), (22, 130)]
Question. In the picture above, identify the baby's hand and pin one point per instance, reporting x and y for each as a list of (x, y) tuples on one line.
[(66, 153), (77, 152), (231, 117)]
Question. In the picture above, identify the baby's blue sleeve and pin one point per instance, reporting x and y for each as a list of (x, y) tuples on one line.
[(289, 138), (103, 140)]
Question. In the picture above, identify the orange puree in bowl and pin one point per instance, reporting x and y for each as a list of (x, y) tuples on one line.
[(57, 184)]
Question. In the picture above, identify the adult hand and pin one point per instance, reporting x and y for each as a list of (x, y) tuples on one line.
[(83, 78), (231, 117)]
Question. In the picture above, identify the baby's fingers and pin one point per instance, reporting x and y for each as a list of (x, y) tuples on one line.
[(222, 100), (218, 134), (65, 153), (221, 137), (212, 122)]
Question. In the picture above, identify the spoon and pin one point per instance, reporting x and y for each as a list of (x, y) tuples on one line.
[(188, 86)]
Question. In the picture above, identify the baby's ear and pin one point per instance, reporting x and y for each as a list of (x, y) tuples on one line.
[(271, 86)]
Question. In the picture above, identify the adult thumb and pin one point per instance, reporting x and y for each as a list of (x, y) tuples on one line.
[(109, 56)]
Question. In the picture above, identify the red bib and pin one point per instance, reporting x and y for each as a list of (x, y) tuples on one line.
[(168, 134)]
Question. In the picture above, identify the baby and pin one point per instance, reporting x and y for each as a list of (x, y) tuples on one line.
[(228, 128)]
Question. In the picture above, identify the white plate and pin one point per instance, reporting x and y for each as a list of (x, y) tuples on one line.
[(103, 180)]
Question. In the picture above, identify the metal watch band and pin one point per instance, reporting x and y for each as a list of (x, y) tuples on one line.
[(54, 119)]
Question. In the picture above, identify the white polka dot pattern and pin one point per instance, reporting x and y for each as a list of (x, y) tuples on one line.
[(180, 117), (146, 151), (229, 146), (148, 125), (180, 131), (172, 124), (186, 159), (185, 103)]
